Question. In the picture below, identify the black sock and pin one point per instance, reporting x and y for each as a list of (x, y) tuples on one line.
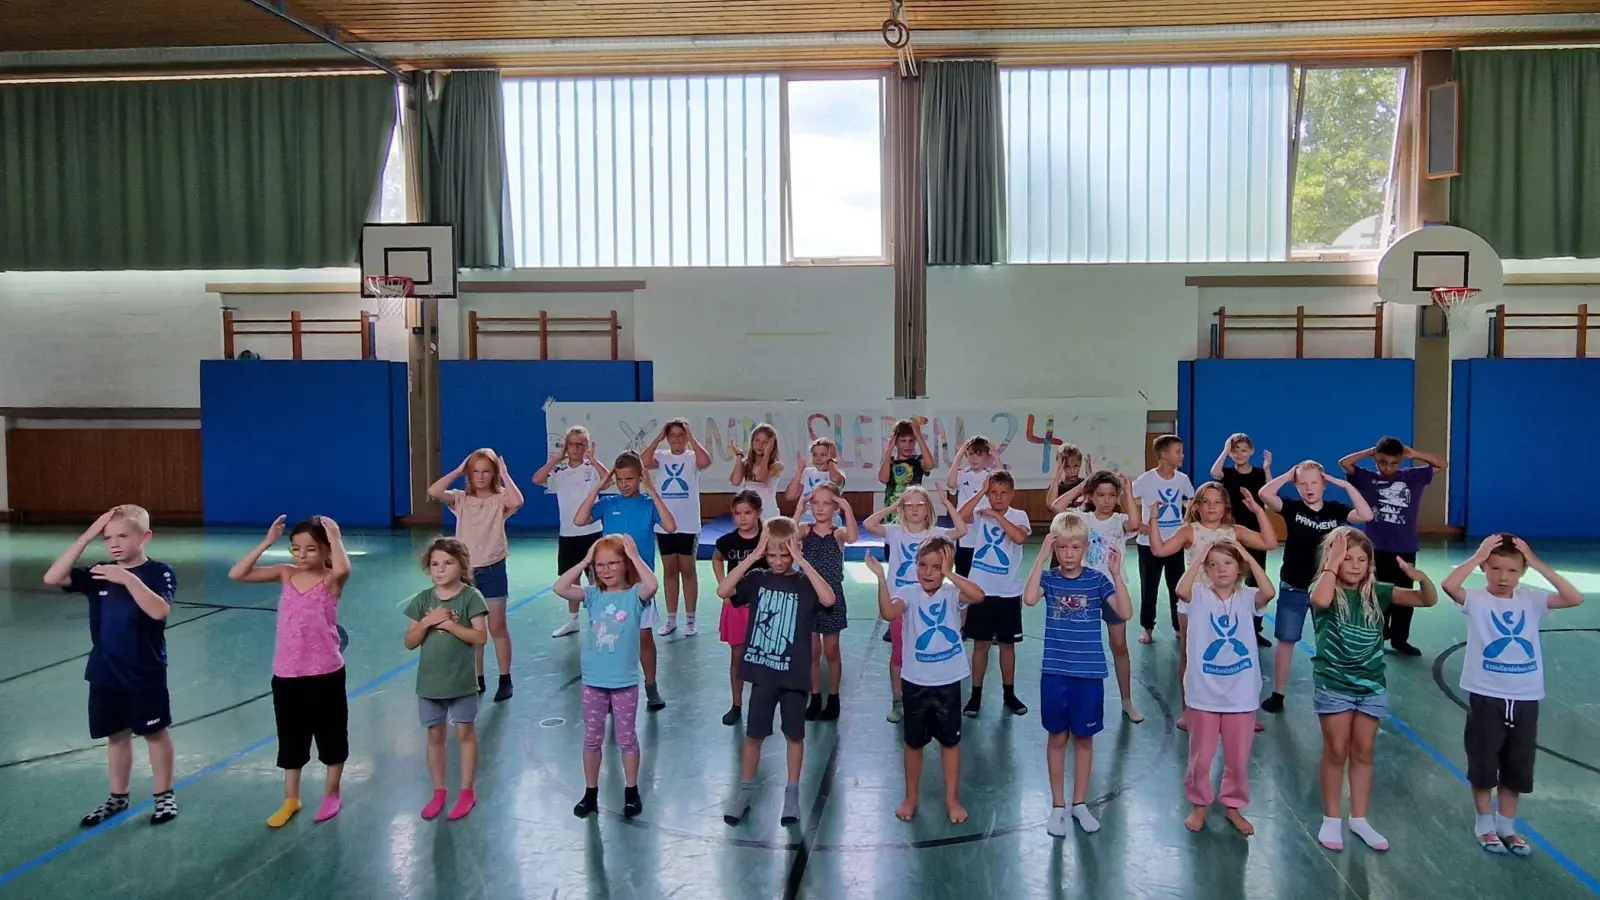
[(114, 804), (591, 796), (977, 693), (1010, 691), (504, 678), (630, 794), (166, 808)]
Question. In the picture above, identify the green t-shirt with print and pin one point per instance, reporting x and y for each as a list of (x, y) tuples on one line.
[(1349, 657), (447, 668)]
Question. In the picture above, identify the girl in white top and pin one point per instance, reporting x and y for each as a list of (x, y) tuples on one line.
[(571, 472), (680, 463), (824, 469), (914, 508), (1110, 496), (1223, 690), (1208, 520), (759, 468)]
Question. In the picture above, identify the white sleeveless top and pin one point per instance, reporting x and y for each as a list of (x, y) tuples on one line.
[(768, 492), (1203, 537)]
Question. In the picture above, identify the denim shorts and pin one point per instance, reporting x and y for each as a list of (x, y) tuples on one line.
[(1326, 703), (1289, 625), (491, 582)]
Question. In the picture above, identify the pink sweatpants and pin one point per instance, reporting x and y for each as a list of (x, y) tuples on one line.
[(897, 641), (1236, 731)]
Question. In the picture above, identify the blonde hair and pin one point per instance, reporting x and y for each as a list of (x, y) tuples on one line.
[(823, 442), (578, 431), (750, 449), (1069, 526), (1313, 465), (1229, 550), (927, 498), (1192, 516), (453, 547), (935, 544), (779, 530), (495, 474), (1366, 588), (1069, 452), (137, 516), (614, 543)]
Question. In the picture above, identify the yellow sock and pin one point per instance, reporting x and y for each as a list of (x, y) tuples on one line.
[(284, 813)]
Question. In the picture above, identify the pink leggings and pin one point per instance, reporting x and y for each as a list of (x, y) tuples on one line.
[(1237, 731), (897, 641), (623, 705)]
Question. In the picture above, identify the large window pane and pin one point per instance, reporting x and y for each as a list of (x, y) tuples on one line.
[(836, 169), (1344, 176)]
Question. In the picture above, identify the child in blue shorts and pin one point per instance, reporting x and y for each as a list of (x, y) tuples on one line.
[(1071, 693)]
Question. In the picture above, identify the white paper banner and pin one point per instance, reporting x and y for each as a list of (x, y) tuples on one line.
[(1027, 432)]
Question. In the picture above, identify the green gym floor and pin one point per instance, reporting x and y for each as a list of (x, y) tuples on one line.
[(522, 840)]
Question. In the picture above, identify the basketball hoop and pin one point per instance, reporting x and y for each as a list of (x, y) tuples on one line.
[(392, 292), (1457, 303)]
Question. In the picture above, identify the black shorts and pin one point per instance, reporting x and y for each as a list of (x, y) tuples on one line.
[(964, 561), (572, 548), (1502, 737), (114, 710), (765, 700), (1386, 568), (678, 544), (997, 620), (311, 708), (931, 714)]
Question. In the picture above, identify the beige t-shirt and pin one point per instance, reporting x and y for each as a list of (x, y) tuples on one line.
[(480, 524)]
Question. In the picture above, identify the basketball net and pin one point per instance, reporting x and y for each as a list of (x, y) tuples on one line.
[(1458, 304), (392, 292)]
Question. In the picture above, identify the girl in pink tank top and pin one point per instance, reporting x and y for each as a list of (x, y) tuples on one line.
[(308, 698)]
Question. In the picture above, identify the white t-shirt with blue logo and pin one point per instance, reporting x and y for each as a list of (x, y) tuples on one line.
[(1166, 496), (902, 546), (969, 482), (1224, 674), (1504, 659), (997, 559), (934, 654), (678, 481)]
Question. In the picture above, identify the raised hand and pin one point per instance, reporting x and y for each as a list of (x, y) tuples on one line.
[(734, 451), (275, 530), (1250, 502), (875, 565), (1407, 569), (1266, 459), (1336, 552), (99, 526), (794, 548), (1524, 549), (761, 545), (1114, 558), (328, 525), (112, 573)]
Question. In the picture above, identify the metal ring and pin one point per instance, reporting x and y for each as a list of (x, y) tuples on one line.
[(895, 33)]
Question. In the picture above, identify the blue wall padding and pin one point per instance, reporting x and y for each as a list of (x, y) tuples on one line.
[(1460, 450), (300, 438), (499, 403), (400, 438), (1299, 409), (1531, 425)]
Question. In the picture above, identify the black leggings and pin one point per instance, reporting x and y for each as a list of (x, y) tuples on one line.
[(1151, 569)]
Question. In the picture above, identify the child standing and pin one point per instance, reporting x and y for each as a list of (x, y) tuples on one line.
[(623, 585), (1243, 482), (761, 467), (1395, 495), (1110, 495), (129, 599), (1161, 495), (491, 497), (823, 540), (969, 477), (732, 548), (906, 461), (933, 673), (1223, 690), (1347, 605), (783, 600), (308, 698), (1066, 473), (824, 469), (570, 474), (1308, 519), (996, 568), (1503, 675), (445, 691), (1071, 696), (680, 464), (636, 510)]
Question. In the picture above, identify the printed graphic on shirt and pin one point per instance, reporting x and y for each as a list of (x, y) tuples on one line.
[(1394, 501), (1316, 524), (1510, 653), (1073, 606), (1225, 654), (939, 639), (906, 573), (674, 485), (608, 627), (773, 632), (990, 556), (1169, 507)]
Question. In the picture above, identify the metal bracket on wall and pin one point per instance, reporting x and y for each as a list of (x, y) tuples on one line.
[(330, 35)]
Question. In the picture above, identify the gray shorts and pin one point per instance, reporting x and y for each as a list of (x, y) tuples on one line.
[(458, 711), (1326, 703)]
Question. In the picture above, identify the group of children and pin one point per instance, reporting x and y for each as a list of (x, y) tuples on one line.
[(782, 582)]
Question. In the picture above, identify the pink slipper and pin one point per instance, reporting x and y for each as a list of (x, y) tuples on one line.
[(465, 801), (330, 807), (435, 806)]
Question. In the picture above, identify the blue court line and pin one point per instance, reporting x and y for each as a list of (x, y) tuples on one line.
[(1538, 840), (139, 808)]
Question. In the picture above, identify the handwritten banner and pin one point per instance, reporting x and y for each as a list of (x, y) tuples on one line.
[(1027, 433)]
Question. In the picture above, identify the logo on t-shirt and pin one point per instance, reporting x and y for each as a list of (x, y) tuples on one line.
[(675, 486), (1316, 524), (1169, 507), (1394, 502), (1225, 636), (937, 633), (991, 557), (905, 574), (1510, 636), (773, 636)]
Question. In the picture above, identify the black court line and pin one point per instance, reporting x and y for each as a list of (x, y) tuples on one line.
[(221, 606), (200, 718), (1438, 678), (85, 655), (570, 682)]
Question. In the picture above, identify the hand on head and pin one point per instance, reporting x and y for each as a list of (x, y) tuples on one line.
[(275, 530)]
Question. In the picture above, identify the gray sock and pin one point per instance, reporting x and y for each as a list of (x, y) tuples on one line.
[(739, 803), (791, 804)]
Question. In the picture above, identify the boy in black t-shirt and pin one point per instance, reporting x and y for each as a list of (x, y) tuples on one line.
[(906, 461), (732, 548), (1236, 481), (1307, 519), (777, 654)]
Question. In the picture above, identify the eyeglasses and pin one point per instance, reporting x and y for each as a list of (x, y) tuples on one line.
[(608, 565)]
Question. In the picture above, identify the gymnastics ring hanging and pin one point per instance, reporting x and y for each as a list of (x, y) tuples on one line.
[(898, 36)]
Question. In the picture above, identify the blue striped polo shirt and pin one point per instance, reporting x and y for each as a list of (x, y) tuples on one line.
[(1072, 623)]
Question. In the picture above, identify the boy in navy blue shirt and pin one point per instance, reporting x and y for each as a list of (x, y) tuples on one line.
[(129, 598), (635, 510)]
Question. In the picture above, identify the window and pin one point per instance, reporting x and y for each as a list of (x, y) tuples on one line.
[(1344, 151), (835, 177), (393, 185), (1169, 164), (680, 171)]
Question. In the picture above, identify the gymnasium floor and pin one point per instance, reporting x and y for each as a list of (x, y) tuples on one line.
[(522, 841)]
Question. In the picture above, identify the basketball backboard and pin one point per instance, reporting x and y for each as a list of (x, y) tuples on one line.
[(424, 253), (1437, 256)]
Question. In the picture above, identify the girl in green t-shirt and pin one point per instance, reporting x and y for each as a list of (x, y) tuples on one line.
[(1347, 610)]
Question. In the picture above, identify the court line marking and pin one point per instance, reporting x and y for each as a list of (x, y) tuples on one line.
[(1539, 840), (135, 810)]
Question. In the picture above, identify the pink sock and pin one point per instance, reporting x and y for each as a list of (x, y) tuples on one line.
[(465, 801), (435, 806), (330, 807)]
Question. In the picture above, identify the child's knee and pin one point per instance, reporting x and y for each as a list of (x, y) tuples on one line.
[(466, 733), (436, 735), (498, 630), (1058, 740), (627, 742)]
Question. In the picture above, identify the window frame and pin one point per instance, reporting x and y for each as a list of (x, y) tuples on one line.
[(885, 180)]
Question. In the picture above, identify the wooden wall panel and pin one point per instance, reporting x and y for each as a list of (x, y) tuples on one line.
[(76, 472)]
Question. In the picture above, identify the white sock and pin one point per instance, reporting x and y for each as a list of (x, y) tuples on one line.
[(1086, 819), (572, 616), (1367, 833), (1332, 833), (1484, 824), (1503, 826)]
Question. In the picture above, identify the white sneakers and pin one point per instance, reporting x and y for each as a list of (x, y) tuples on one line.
[(571, 627)]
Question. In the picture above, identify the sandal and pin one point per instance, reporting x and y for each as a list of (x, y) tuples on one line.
[(1491, 843), (1515, 844)]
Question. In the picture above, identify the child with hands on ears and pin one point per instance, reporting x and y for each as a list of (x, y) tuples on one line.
[(759, 468)]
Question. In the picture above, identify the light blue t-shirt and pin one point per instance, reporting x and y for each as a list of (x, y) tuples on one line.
[(611, 642), (636, 516), (1072, 612)]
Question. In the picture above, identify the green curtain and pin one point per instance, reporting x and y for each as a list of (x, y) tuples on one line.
[(464, 179), (963, 151), (1530, 151), (228, 173)]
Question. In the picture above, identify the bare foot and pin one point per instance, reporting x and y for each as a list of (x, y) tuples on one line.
[(906, 809), (958, 813), (1183, 722), (1147, 638), (1240, 822), (1196, 820)]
